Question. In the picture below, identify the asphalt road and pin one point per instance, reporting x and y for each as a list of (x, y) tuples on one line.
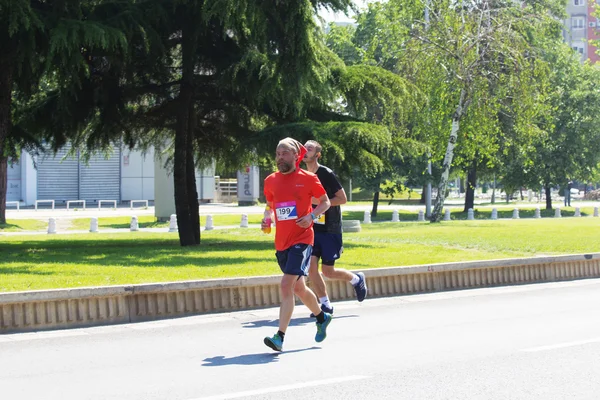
[(527, 342)]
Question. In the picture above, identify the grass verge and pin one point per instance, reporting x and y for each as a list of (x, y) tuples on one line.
[(61, 261)]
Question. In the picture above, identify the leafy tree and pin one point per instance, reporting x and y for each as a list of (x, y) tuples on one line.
[(39, 37), (474, 54)]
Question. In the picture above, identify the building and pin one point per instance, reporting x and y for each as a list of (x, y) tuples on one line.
[(581, 28), (122, 176)]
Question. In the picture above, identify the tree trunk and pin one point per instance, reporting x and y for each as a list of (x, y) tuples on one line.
[(471, 184), (494, 191), (548, 197), (182, 136), (192, 190), (436, 214), (375, 204), (6, 85), (423, 195), (376, 197)]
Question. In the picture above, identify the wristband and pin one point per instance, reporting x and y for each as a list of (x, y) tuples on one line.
[(314, 217)]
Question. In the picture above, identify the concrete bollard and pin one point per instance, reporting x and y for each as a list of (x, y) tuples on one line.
[(244, 223), (134, 226), (537, 213), (173, 223), (52, 225), (516, 213), (470, 214), (94, 225), (395, 216), (596, 212), (494, 213), (209, 223), (421, 215), (577, 212), (447, 214), (367, 218), (557, 213)]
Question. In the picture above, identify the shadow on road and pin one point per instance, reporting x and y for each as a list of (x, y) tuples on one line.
[(294, 322), (250, 359)]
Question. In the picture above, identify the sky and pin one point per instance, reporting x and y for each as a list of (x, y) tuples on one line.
[(341, 17)]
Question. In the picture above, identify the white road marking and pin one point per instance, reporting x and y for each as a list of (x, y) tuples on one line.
[(283, 388), (561, 345)]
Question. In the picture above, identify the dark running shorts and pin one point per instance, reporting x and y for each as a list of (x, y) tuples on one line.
[(328, 247), (295, 260)]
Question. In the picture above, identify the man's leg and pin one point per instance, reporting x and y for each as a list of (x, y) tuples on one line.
[(307, 296), (319, 285), (315, 277), (356, 280), (310, 300), (286, 309)]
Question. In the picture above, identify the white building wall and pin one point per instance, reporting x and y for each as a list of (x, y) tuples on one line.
[(28, 179), (13, 187), (137, 175)]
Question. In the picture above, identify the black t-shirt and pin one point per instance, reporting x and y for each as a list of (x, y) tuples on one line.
[(332, 222)]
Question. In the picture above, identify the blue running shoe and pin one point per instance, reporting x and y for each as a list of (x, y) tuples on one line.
[(361, 287), (322, 328), (275, 342), (324, 308)]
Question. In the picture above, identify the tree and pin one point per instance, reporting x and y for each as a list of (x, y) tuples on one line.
[(200, 78), (473, 53), (38, 37)]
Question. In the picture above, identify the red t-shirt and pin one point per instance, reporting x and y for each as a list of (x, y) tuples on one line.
[(290, 196)]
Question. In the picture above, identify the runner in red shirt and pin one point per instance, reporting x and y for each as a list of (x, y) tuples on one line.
[(289, 193)]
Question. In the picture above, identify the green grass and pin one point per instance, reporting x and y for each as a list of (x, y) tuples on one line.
[(23, 225), (61, 261)]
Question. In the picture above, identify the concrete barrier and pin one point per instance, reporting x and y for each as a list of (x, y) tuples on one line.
[(71, 308)]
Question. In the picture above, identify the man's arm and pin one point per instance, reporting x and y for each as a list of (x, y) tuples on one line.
[(323, 206)]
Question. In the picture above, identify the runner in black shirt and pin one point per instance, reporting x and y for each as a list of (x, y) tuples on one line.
[(328, 233)]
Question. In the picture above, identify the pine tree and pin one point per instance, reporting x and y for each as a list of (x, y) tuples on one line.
[(38, 37)]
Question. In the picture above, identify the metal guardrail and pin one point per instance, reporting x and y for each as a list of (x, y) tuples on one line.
[(71, 308), (225, 190), (16, 203), (69, 202), (37, 202), (113, 202), (132, 202)]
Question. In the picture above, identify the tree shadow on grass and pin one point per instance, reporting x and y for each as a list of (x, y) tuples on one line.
[(22, 271), (250, 359), (142, 252)]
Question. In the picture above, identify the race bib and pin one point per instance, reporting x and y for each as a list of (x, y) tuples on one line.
[(286, 211), (321, 220)]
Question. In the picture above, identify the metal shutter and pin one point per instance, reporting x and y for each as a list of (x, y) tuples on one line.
[(13, 191), (58, 179), (101, 178)]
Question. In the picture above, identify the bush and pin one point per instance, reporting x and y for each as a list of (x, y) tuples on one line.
[(593, 195)]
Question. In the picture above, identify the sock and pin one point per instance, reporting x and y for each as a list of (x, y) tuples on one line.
[(321, 317), (325, 301), (355, 280), (281, 335)]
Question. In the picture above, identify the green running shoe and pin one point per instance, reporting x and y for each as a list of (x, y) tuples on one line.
[(275, 342), (322, 328)]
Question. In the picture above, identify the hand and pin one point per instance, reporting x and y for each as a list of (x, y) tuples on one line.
[(305, 221), (263, 224)]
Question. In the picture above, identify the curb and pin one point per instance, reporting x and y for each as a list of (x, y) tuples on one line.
[(82, 307)]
